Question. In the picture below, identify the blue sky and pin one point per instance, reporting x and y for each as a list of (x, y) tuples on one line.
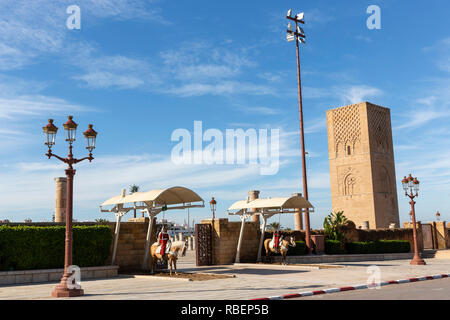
[(139, 69)]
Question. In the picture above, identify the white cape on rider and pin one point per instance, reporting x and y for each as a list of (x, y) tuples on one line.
[(271, 243), (168, 245)]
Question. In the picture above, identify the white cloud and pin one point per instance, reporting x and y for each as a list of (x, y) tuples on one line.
[(32, 28), (364, 38), (33, 106), (357, 93), (108, 79), (316, 125), (420, 117), (17, 109), (441, 51), (200, 68), (259, 110), (221, 88)]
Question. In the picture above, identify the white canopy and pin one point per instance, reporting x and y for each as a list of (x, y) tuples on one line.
[(266, 208), (174, 195), (294, 202), (152, 203)]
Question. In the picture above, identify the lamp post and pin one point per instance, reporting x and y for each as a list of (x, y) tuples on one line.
[(67, 287), (212, 204), (438, 216), (412, 184), (299, 36)]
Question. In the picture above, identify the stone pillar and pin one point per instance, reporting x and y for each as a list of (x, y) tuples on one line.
[(298, 216), (60, 202), (252, 195), (440, 232)]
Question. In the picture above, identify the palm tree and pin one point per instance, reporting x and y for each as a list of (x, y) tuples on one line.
[(274, 226), (333, 224), (134, 188)]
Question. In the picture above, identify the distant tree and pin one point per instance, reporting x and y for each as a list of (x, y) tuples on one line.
[(274, 226), (102, 221), (28, 220), (134, 188)]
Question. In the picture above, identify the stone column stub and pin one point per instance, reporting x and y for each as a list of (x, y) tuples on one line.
[(253, 195), (60, 199)]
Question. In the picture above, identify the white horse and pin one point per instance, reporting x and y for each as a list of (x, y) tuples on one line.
[(171, 255), (287, 242)]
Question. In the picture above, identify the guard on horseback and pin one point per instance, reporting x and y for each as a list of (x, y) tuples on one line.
[(163, 238), (277, 238)]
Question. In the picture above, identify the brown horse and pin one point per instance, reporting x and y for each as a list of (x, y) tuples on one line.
[(283, 249), (171, 255)]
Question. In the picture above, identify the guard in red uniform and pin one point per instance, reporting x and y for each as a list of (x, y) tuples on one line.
[(276, 239), (163, 237)]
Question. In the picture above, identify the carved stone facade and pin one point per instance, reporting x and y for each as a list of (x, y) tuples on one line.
[(362, 169)]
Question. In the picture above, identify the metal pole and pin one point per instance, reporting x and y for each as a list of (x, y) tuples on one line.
[(116, 237), (417, 260), (64, 289), (147, 242), (261, 239), (302, 141), (241, 235)]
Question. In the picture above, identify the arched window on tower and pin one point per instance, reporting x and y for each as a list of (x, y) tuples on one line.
[(349, 185)]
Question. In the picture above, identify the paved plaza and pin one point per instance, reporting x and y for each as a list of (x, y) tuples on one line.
[(250, 281)]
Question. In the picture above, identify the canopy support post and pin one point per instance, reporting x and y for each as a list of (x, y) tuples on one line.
[(116, 236), (241, 235), (147, 241), (261, 239)]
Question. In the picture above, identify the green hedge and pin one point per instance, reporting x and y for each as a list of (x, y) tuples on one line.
[(334, 247), (298, 250), (367, 247), (381, 246), (28, 248)]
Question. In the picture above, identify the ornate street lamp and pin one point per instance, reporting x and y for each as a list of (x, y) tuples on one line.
[(212, 205), (411, 187), (67, 288), (299, 36)]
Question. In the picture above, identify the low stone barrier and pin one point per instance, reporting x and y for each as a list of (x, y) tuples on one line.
[(332, 258), (49, 275)]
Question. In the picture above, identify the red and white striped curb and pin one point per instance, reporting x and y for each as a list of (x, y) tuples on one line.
[(357, 287)]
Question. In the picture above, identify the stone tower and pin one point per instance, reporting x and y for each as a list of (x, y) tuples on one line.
[(60, 199), (362, 169)]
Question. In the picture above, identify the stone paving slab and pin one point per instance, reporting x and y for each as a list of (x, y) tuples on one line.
[(251, 281)]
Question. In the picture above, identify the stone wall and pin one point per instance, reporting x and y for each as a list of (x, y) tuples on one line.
[(448, 238), (225, 240), (440, 234), (131, 244), (353, 235)]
